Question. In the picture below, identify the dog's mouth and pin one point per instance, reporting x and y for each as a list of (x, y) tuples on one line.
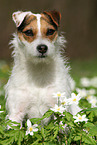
[(42, 56)]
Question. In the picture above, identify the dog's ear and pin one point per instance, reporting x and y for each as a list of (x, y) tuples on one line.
[(55, 16), (19, 16)]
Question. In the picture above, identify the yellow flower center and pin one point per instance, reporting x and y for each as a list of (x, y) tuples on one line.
[(63, 103), (94, 101), (88, 97), (80, 118), (74, 99), (87, 129), (59, 95), (58, 109), (30, 129)]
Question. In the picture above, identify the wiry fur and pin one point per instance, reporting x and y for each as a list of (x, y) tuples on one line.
[(33, 81)]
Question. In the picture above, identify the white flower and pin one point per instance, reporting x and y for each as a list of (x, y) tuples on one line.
[(86, 93), (58, 109), (91, 91), (74, 99), (58, 94), (80, 118), (64, 101), (85, 82), (93, 101), (31, 128), (0, 108), (1, 111), (83, 92), (88, 97), (94, 82)]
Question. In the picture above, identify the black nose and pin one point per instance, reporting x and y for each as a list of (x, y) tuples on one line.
[(42, 48)]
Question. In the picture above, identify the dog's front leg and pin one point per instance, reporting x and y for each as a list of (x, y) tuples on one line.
[(17, 103)]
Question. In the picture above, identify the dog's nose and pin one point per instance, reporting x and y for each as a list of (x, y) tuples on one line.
[(42, 48)]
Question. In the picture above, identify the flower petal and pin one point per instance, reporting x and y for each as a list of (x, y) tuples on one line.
[(28, 123), (35, 125), (31, 133), (35, 129)]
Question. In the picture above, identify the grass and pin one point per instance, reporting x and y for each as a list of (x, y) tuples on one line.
[(83, 68)]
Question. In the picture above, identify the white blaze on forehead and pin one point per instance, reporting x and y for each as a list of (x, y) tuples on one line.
[(38, 23)]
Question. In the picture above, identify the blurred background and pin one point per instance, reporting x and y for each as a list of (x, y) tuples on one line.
[(79, 22)]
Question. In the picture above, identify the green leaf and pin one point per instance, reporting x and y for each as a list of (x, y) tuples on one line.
[(47, 114), (36, 142), (56, 130), (34, 120), (78, 137), (68, 116), (88, 140), (50, 126), (90, 109), (1, 130), (49, 143), (70, 137), (8, 141), (88, 125), (91, 116), (38, 136), (42, 132), (93, 130)]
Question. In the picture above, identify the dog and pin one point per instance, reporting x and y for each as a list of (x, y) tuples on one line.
[(39, 69)]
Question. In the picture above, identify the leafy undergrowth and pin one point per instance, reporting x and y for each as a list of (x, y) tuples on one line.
[(64, 128)]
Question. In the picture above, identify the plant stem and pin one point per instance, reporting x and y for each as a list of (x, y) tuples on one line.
[(81, 139), (58, 102)]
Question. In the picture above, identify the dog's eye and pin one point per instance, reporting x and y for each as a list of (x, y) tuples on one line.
[(28, 32), (50, 32)]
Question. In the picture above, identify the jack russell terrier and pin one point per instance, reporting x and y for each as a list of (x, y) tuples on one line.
[(39, 69)]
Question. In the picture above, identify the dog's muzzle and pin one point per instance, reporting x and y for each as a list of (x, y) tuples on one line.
[(42, 49)]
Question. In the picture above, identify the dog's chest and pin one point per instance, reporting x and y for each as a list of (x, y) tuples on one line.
[(41, 95), (39, 101)]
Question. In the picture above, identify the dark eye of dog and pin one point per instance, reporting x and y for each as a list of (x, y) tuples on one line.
[(50, 32), (29, 32)]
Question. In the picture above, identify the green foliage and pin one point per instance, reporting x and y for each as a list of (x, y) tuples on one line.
[(61, 130), (53, 133)]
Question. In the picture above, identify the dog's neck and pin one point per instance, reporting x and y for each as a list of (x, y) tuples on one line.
[(41, 74)]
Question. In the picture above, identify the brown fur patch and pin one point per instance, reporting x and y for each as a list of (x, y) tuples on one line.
[(45, 26), (29, 24)]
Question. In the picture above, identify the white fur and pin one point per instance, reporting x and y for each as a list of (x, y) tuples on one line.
[(19, 16), (34, 80), (38, 24)]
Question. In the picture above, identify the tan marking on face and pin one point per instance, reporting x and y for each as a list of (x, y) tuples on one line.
[(45, 26), (29, 24)]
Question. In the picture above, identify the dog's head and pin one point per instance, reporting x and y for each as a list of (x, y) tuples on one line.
[(37, 33)]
